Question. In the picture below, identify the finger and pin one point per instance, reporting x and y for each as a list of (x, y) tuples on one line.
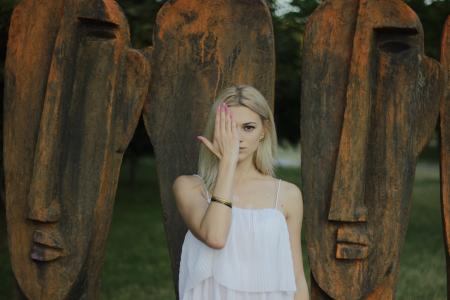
[(209, 145), (234, 128), (217, 124), (233, 125), (222, 121), (236, 133), (228, 120)]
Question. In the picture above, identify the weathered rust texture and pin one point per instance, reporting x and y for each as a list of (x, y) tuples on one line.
[(200, 47), (445, 146), (74, 91), (370, 102)]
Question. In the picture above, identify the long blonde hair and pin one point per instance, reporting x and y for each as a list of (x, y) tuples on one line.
[(266, 153)]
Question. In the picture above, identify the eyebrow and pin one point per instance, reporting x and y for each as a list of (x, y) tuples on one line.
[(249, 123)]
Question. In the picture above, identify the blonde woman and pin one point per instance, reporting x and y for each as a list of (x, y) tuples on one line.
[(244, 225)]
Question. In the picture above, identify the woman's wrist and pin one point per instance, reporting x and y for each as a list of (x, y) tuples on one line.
[(219, 196), (228, 160), (222, 200), (224, 181)]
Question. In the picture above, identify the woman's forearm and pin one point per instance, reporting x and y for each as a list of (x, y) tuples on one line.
[(302, 290), (217, 219)]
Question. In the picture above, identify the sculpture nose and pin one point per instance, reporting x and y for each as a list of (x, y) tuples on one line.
[(55, 130), (347, 198), (44, 195), (43, 211)]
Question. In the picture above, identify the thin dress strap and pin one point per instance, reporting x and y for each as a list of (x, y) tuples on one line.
[(278, 189), (206, 190)]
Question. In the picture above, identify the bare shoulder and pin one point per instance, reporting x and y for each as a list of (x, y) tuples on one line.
[(291, 192), (185, 185), (184, 181), (292, 198)]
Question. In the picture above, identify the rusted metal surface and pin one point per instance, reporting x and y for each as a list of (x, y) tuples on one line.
[(445, 146), (200, 47), (74, 91), (370, 102)]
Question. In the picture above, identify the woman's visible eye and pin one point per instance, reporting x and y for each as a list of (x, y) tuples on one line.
[(249, 128)]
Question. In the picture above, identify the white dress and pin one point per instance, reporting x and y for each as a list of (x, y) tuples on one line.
[(255, 264)]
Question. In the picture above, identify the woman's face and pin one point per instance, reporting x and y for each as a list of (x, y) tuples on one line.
[(250, 128)]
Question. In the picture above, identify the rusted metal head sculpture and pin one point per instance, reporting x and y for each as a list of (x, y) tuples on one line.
[(74, 91), (370, 102)]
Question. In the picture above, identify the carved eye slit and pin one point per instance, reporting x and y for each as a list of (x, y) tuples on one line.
[(98, 28), (395, 39), (394, 46)]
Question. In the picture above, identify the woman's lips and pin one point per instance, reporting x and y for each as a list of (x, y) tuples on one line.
[(47, 246)]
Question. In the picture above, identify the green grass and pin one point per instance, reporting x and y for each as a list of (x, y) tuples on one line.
[(137, 261), (422, 263)]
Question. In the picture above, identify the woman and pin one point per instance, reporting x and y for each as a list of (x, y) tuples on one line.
[(243, 242)]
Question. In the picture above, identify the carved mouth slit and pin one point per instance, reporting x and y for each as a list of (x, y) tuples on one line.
[(352, 242), (351, 251), (47, 246), (40, 252)]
